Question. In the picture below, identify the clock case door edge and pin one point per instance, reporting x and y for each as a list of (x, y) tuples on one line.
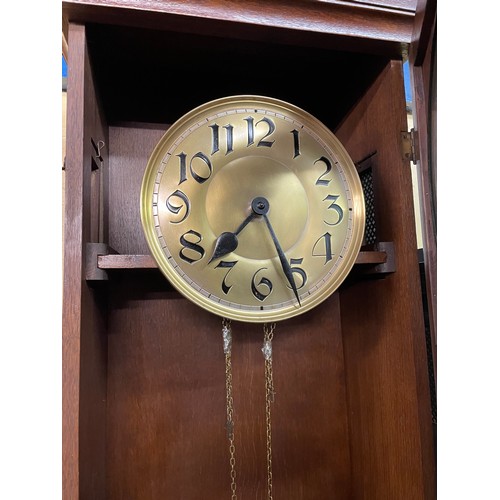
[(387, 378)]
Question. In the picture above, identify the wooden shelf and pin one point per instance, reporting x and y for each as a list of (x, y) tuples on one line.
[(378, 259), (116, 261)]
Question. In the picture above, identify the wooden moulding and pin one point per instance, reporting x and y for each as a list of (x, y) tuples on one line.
[(100, 258), (367, 26)]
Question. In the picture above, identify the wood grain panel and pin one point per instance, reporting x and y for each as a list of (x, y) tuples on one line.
[(166, 402), (384, 347), (424, 80), (408, 5), (117, 261), (72, 266), (84, 341), (357, 26), (130, 149)]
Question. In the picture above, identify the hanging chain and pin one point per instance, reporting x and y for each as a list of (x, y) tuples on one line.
[(267, 350), (227, 343)]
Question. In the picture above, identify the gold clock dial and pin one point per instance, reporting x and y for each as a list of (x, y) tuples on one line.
[(252, 208)]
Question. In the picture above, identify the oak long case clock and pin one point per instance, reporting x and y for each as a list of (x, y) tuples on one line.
[(143, 366)]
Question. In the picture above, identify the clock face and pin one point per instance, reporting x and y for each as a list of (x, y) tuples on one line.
[(252, 208)]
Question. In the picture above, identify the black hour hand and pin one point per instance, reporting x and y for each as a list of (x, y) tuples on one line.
[(227, 242)]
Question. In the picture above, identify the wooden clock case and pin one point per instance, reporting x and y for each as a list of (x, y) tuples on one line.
[(143, 368)]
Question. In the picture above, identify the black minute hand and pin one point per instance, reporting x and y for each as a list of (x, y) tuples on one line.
[(284, 263)]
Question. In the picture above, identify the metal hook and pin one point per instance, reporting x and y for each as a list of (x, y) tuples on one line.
[(100, 145)]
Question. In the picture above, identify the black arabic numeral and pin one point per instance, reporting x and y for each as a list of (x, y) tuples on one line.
[(206, 163), (251, 131), (206, 160), (215, 138), (299, 271), (326, 241), (296, 143), (182, 167), (227, 265), (270, 130), (174, 208), (321, 181), (264, 282), (333, 206), (191, 251), (229, 138)]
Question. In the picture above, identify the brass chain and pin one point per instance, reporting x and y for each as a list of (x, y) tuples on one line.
[(268, 367), (227, 342), (268, 357)]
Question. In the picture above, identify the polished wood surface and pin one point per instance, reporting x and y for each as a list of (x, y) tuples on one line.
[(72, 261), (423, 56), (84, 339), (355, 25), (147, 262), (166, 407), (409, 5), (384, 347), (132, 145), (423, 30)]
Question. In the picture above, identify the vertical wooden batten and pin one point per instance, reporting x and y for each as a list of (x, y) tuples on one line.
[(84, 341), (422, 58), (73, 255)]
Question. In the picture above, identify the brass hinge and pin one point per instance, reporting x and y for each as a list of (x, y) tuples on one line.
[(409, 145)]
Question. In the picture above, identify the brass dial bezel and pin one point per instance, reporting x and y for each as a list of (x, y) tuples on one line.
[(150, 220)]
